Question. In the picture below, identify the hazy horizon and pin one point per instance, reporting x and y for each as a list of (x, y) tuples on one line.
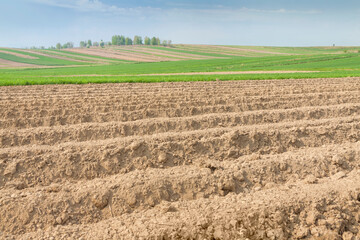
[(29, 23)]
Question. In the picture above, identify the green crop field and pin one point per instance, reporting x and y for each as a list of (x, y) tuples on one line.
[(41, 60), (323, 62)]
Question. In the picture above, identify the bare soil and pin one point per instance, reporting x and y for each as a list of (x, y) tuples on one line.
[(121, 55), (91, 59), (53, 56), (139, 55), (275, 159), (10, 64), (19, 54), (179, 55)]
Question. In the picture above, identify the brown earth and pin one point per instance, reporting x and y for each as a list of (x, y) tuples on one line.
[(136, 53), (121, 55), (139, 55), (92, 59), (10, 64), (102, 53), (18, 54), (166, 53), (275, 159), (53, 56)]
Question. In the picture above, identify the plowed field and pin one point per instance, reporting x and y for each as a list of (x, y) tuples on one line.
[(198, 160)]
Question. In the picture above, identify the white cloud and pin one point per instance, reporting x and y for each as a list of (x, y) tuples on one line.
[(88, 6), (99, 6), (252, 10), (282, 10)]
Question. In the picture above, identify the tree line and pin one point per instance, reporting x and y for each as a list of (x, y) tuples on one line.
[(58, 46), (116, 40), (89, 43), (66, 45)]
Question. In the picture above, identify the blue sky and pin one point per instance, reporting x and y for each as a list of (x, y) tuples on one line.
[(25, 23)]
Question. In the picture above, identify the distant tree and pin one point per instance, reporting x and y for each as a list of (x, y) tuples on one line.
[(154, 41), (70, 45), (89, 43), (115, 40), (138, 40), (58, 46), (128, 41), (95, 44), (135, 40), (147, 41), (164, 43), (82, 44), (64, 46), (118, 40), (108, 43), (122, 40), (102, 44), (158, 42)]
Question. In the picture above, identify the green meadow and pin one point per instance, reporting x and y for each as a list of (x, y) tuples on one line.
[(324, 62)]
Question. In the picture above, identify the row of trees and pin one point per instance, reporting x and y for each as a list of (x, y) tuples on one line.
[(65, 45), (89, 43), (118, 40), (58, 46)]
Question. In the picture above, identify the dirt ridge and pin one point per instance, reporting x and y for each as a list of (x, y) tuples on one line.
[(203, 160)]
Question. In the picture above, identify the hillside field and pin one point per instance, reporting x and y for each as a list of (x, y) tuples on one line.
[(158, 64)]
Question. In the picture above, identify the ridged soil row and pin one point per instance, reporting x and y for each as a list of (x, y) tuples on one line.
[(120, 113), (46, 95), (220, 160), (61, 94), (171, 97), (100, 199), (43, 165), (108, 130), (248, 87), (326, 210), (14, 111)]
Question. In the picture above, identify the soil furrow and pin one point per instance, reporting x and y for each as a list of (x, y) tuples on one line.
[(120, 113), (101, 131), (40, 165), (327, 210), (272, 159), (114, 196)]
